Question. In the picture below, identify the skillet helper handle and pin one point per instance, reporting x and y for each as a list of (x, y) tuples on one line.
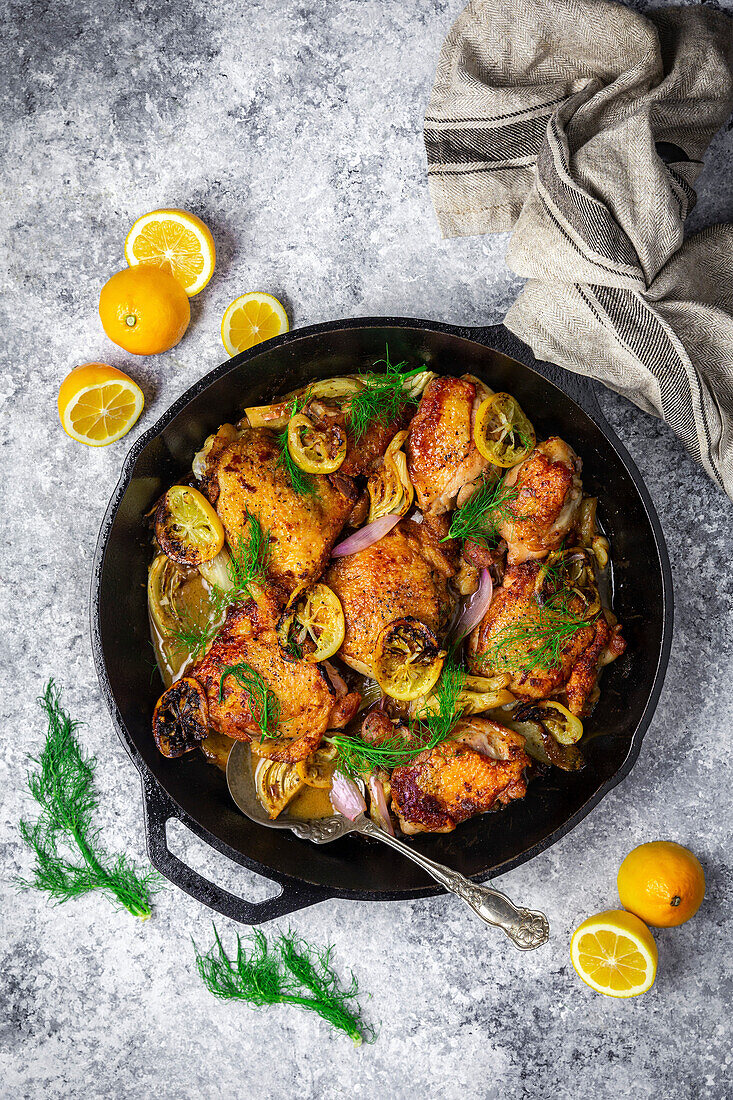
[(158, 808), (526, 928)]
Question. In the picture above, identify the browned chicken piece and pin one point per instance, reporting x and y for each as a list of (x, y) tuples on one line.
[(405, 574), (362, 454), (516, 627), (444, 462), (306, 702), (482, 765), (545, 509), (247, 477)]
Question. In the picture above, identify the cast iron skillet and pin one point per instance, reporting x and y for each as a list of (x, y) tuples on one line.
[(196, 793)]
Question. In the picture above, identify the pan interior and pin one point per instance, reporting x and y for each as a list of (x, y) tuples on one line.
[(484, 844)]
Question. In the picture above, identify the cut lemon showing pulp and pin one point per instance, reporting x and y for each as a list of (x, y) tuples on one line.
[(615, 953), (98, 404), (250, 319), (178, 242)]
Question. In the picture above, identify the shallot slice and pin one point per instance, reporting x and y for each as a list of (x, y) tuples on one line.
[(477, 606), (346, 797), (365, 536), (379, 805)]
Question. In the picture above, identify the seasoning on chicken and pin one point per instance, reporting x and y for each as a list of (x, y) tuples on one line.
[(545, 650), (443, 458), (247, 476), (402, 575), (545, 509), (305, 704), (482, 765)]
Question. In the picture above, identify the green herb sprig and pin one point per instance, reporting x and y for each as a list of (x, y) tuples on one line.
[(479, 518), (356, 756), (288, 971), (63, 786), (537, 641), (302, 483), (263, 703), (383, 398), (246, 566)]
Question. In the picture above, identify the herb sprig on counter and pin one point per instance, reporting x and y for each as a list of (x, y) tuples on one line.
[(384, 396), (357, 757), (287, 971), (478, 519), (69, 859), (263, 703)]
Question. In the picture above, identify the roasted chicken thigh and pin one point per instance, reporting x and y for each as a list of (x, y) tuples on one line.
[(246, 477), (405, 574), (444, 462), (304, 702), (548, 494), (480, 766)]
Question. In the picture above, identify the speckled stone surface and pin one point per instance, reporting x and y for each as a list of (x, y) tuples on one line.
[(294, 130)]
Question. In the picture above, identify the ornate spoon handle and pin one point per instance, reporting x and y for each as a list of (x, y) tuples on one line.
[(526, 928)]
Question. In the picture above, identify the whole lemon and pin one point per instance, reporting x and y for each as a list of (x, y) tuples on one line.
[(144, 310), (661, 882)]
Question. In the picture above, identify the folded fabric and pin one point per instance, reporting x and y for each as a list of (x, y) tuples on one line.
[(580, 125)]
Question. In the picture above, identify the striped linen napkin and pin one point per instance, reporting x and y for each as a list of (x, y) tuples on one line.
[(580, 125)]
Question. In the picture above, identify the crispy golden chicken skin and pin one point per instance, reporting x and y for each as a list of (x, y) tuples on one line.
[(307, 703), (480, 766), (404, 574), (545, 509), (443, 458), (511, 632), (246, 476), (362, 453)]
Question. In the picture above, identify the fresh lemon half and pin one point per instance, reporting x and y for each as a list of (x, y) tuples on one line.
[(98, 404), (615, 953), (250, 319), (178, 242)]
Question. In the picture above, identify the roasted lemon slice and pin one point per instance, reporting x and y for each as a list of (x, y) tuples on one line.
[(317, 615), (615, 953), (178, 242), (502, 433), (407, 659), (557, 720), (250, 319), (181, 718), (316, 449), (187, 528)]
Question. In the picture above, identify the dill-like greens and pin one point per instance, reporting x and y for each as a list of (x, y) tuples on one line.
[(536, 641), (246, 566), (63, 786), (263, 703), (479, 517), (383, 398), (302, 483), (288, 971), (356, 756)]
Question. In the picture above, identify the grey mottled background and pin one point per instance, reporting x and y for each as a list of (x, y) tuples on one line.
[(294, 130)]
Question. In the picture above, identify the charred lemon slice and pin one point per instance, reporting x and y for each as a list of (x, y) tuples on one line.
[(317, 770), (314, 448), (502, 433), (181, 718), (187, 528), (317, 615), (557, 720), (407, 660)]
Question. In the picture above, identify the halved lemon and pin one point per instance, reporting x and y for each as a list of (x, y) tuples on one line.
[(615, 953), (178, 242), (98, 404), (250, 319)]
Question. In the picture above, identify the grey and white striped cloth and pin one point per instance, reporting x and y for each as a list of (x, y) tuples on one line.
[(580, 125)]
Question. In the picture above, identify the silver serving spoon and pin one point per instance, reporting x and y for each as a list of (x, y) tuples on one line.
[(526, 928)]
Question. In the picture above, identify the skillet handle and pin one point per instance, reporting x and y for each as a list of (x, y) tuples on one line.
[(579, 387), (158, 808)]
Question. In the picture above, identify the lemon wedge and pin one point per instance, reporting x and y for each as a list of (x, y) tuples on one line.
[(615, 953), (250, 319), (178, 242)]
